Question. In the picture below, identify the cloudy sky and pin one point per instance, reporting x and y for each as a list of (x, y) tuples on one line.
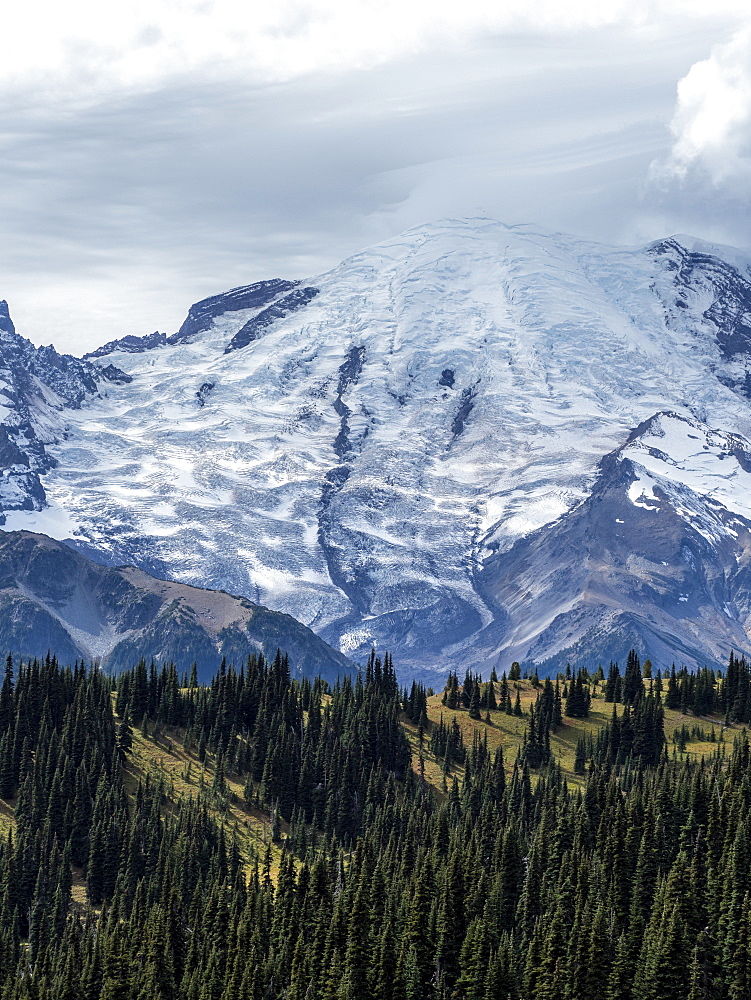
[(153, 153)]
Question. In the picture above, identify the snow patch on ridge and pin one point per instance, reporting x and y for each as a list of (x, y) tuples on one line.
[(53, 520), (712, 464), (641, 493)]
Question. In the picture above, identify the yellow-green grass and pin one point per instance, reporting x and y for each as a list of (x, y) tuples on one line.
[(508, 732), (164, 756), (7, 817), (78, 888)]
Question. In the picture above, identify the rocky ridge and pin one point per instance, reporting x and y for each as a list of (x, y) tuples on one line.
[(54, 598)]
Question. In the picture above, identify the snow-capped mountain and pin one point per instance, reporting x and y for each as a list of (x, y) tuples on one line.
[(469, 444)]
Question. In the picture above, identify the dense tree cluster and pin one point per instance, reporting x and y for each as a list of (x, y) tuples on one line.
[(706, 692), (544, 716), (298, 755), (473, 694), (447, 743), (415, 704), (628, 687), (578, 696), (511, 886), (703, 692), (637, 734), (72, 814)]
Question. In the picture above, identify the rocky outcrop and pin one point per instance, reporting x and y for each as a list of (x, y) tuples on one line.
[(202, 314), (37, 386), (130, 345), (253, 329), (668, 575), (6, 323)]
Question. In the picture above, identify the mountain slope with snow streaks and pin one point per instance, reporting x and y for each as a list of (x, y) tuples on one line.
[(402, 428)]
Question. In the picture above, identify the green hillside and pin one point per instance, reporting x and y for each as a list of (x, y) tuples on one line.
[(264, 837)]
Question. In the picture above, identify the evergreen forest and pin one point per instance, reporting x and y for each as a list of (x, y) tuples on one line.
[(580, 837)]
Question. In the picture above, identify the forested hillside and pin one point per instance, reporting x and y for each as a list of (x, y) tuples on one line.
[(579, 837)]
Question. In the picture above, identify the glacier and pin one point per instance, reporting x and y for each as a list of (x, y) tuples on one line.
[(416, 449)]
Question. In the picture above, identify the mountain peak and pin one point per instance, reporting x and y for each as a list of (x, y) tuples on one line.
[(379, 449), (6, 323)]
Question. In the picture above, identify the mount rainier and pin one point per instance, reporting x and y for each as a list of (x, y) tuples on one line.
[(470, 444)]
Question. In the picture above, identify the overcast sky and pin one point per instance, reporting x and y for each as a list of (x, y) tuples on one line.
[(153, 153)]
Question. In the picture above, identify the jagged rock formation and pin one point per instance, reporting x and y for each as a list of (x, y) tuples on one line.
[(657, 557), (36, 386), (254, 328), (203, 313), (130, 345)]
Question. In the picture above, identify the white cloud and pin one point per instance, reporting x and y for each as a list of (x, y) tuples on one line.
[(712, 120), (83, 47)]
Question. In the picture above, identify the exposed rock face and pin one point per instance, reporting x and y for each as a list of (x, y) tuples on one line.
[(648, 560), (52, 597), (6, 323), (470, 444), (202, 314), (254, 328), (112, 374), (130, 345), (711, 289)]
